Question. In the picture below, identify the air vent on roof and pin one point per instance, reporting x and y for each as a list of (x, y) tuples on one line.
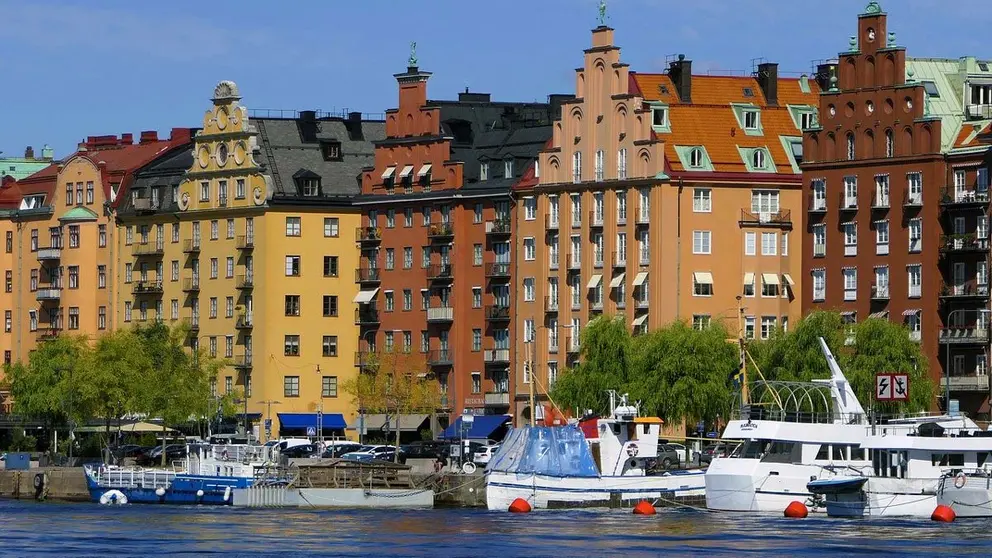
[(748, 92), (663, 89), (983, 66)]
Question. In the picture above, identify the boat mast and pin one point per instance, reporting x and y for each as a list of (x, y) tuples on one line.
[(530, 385), (742, 352)]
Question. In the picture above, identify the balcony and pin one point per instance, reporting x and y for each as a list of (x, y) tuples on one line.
[(49, 294), (498, 271), (48, 254), (819, 250), (366, 360), (368, 235), (816, 204), (551, 304), (596, 219), (441, 357), (978, 382), (221, 201), (242, 362), (245, 282), (880, 202), (191, 246), (443, 272), (497, 398), (964, 335), (194, 324), (963, 243), (245, 242), (979, 112), (497, 313), (148, 249), (147, 287), (574, 262), (964, 291), (143, 206), (782, 219), (191, 284), (912, 199), (950, 198), (497, 356), (880, 292), (368, 275), (644, 216), (641, 303), (551, 222), (571, 345), (46, 332), (619, 259), (622, 217), (441, 232), (366, 316), (846, 202), (441, 315), (243, 323), (553, 260), (498, 227)]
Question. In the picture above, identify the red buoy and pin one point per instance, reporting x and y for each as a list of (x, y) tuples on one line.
[(644, 508), (796, 510), (944, 514), (520, 506)]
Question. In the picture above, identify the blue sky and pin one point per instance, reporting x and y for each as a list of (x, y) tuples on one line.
[(77, 68)]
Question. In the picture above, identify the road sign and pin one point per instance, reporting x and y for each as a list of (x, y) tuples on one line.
[(268, 424), (311, 431), (891, 387)]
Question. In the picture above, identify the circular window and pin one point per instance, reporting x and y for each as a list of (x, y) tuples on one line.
[(871, 34), (221, 118), (889, 105), (758, 159), (869, 107), (222, 154), (832, 110), (240, 152), (203, 156)]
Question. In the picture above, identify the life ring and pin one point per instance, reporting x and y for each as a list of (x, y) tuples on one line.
[(960, 480), (632, 450), (39, 481), (468, 467), (113, 497)]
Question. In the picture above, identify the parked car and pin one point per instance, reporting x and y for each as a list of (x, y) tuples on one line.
[(669, 455), (713, 450), (369, 453), (425, 450), (483, 455), (300, 451), (154, 455), (338, 450)]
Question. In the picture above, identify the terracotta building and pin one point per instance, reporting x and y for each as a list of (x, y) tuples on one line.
[(662, 197), (896, 220), (436, 259)]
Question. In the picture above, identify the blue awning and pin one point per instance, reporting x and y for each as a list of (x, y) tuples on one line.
[(302, 421), (483, 427)]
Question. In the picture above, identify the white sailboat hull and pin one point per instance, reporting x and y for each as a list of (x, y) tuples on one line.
[(736, 484), (886, 497), (540, 490)]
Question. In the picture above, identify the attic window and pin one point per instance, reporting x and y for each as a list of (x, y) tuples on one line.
[(931, 89), (748, 92), (311, 187), (508, 168), (983, 66), (331, 150), (484, 172), (750, 120), (659, 116), (797, 151), (696, 158), (806, 120), (758, 159)]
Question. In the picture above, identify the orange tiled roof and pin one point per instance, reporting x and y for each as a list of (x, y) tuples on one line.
[(968, 136), (710, 121)]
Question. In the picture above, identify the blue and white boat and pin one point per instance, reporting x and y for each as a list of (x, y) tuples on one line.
[(208, 476)]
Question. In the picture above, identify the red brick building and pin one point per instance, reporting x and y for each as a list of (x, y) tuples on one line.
[(896, 180)]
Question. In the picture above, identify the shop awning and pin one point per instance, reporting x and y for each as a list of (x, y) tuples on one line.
[(911, 312), (640, 320), (702, 277), (364, 297), (641, 278), (303, 421), (406, 171), (617, 280), (483, 427), (748, 278), (788, 280), (769, 278), (594, 281), (424, 170), (379, 422), (847, 314), (388, 172)]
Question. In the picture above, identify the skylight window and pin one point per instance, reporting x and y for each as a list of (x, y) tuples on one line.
[(663, 89), (931, 89), (748, 92), (983, 66)]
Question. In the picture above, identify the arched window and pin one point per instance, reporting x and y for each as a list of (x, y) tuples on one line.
[(696, 158), (577, 167), (850, 146), (890, 144), (758, 159)]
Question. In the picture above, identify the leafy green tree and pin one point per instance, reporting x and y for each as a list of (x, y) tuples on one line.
[(883, 346), (604, 365), (796, 356), (113, 382), (50, 387)]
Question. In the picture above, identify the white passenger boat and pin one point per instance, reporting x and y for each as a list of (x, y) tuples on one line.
[(779, 450), (599, 462)]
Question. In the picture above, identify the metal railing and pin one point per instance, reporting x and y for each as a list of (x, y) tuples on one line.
[(441, 314), (968, 242), (498, 227), (440, 231), (148, 248), (246, 281), (964, 334), (191, 245), (245, 242), (498, 270), (441, 357), (497, 356), (368, 275), (497, 313), (148, 287), (441, 272), (950, 196), (368, 234), (773, 218)]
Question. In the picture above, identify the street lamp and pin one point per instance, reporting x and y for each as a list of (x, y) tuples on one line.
[(947, 354)]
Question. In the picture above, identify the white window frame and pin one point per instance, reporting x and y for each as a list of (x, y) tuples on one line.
[(701, 242), (750, 243), (702, 200)]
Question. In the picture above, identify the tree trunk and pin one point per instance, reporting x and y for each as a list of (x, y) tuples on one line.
[(396, 453), (164, 442)]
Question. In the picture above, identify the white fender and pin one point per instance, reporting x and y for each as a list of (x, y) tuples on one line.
[(227, 493), (113, 497), (160, 492)]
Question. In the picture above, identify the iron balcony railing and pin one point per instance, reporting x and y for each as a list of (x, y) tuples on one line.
[(968, 242), (964, 291), (441, 272), (964, 335), (53, 253), (246, 282), (441, 231), (498, 313), (191, 284), (147, 287), (781, 218), (498, 270), (156, 248), (441, 357), (951, 197), (498, 227), (441, 314), (368, 234), (368, 275), (191, 245), (497, 356), (366, 316), (244, 322)]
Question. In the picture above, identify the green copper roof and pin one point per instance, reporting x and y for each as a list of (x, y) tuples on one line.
[(685, 157), (78, 214), (873, 8), (947, 104), (747, 154)]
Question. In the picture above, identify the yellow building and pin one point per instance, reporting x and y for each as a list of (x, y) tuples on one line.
[(250, 237)]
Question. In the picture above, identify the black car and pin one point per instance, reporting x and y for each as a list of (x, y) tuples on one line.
[(337, 450), (300, 451), (425, 450), (128, 450)]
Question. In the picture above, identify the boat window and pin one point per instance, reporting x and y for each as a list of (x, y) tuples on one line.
[(947, 459), (889, 463), (615, 428), (646, 428), (780, 452), (753, 449), (982, 456), (824, 452), (858, 452), (840, 452), (631, 431)]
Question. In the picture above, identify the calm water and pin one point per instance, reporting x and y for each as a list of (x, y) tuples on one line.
[(36, 529)]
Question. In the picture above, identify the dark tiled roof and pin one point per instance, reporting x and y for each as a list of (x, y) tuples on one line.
[(163, 173), (291, 145)]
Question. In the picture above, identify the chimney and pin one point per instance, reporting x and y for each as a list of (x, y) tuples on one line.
[(354, 117), (127, 139), (47, 152), (823, 75), (181, 135), (148, 136), (681, 73), (308, 115), (467, 97), (768, 81), (29, 152)]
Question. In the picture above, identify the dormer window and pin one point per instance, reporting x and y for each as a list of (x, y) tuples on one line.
[(483, 172), (750, 120), (758, 159), (659, 116), (807, 120), (696, 158), (331, 150), (311, 187), (508, 168)]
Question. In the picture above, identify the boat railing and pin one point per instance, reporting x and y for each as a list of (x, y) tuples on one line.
[(113, 477), (240, 453), (766, 413)]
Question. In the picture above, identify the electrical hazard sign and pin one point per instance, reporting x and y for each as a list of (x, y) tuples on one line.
[(891, 387)]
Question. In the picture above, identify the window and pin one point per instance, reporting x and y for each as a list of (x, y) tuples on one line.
[(483, 172), (476, 382), (767, 326), (508, 168), (889, 144), (850, 238), (598, 167), (330, 346), (915, 276), (292, 345), (390, 218), (175, 309), (330, 266), (529, 289), (331, 226), (702, 201), (769, 285), (764, 203), (213, 268), (292, 227), (622, 164), (530, 249), (229, 271), (915, 234), (850, 146), (700, 242), (850, 283), (426, 216), (750, 243), (204, 191), (292, 305), (881, 287), (73, 278), (807, 120), (768, 244), (696, 158), (73, 236), (292, 266), (931, 89), (621, 207), (758, 159), (476, 297), (914, 181), (213, 307), (291, 386), (785, 244), (389, 341), (749, 327), (389, 301), (390, 258), (175, 270), (127, 310), (79, 193), (750, 120), (425, 257), (881, 237), (530, 208), (819, 187), (229, 307), (330, 306), (659, 116), (577, 167), (702, 285), (700, 321), (749, 284), (643, 241)]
